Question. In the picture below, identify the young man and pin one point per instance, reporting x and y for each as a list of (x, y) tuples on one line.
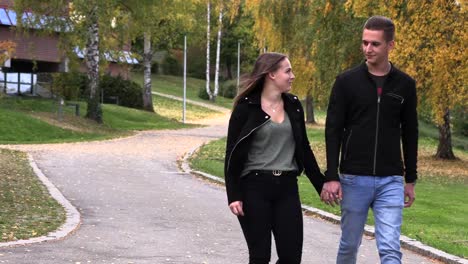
[(372, 107)]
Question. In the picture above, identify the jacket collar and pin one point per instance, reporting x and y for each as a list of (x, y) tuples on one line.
[(365, 69), (255, 98)]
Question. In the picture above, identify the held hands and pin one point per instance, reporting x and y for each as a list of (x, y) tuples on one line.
[(236, 208), (331, 193)]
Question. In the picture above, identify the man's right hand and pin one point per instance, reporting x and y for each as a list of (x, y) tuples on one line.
[(236, 208), (331, 193)]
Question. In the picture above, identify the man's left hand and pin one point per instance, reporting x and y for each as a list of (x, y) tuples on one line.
[(410, 195)]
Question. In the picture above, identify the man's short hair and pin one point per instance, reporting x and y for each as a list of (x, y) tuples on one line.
[(381, 23)]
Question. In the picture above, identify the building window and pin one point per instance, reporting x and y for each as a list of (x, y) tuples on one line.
[(17, 82)]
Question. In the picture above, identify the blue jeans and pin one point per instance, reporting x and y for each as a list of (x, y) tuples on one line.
[(385, 195)]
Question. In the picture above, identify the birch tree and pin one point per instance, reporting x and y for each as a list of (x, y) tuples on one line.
[(147, 59), (159, 25), (94, 110), (208, 15), (85, 24), (218, 51)]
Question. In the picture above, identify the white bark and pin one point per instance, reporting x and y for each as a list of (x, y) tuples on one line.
[(92, 65), (208, 91), (147, 59), (218, 51), (92, 58)]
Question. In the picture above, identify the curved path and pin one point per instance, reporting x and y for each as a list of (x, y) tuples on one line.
[(136, 207), (189, 101)]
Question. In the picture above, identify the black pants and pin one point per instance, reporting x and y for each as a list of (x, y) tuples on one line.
[(271, 204)]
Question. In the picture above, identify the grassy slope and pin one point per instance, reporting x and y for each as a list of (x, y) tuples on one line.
[(27, 120), (173, 85), (37, 121), (18, 127), (438, 218)]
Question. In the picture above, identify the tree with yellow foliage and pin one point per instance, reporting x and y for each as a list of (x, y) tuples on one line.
[(283, 27), (431, 39), (334, 42), (320, 37), (7, 49)]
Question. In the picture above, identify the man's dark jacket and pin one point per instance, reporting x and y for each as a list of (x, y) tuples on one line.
[(246, 118), (368, 127)]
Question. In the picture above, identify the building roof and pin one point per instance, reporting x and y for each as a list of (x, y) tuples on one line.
[(121, 56), (8, 17)]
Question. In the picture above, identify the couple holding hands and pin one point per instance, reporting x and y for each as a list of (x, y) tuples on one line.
[(372, 109)]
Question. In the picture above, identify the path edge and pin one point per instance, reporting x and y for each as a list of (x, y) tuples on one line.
[(73, 217), (406, 242)]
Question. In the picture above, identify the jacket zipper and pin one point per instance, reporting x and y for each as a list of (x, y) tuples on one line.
[(234, 148), (347, 144), (397, 97), (376, 133)]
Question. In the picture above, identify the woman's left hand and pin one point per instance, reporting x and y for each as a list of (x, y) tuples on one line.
[(332, 193)]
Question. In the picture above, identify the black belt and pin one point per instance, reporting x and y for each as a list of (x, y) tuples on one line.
[(275, 173)]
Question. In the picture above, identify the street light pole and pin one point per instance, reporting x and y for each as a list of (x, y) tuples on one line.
[(185, 78), (238, 64)]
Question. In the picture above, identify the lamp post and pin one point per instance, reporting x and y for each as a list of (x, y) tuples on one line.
[(185, 79), (238, 64), (60, 109)]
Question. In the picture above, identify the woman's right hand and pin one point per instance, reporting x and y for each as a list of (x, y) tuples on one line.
[(236, 208)]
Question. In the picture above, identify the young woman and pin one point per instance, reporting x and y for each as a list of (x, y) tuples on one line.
[(267, 148)]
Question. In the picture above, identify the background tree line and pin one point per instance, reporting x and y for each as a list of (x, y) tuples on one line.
[(322, 38)]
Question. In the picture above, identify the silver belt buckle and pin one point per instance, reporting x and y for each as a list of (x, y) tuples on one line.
[(277, 172)]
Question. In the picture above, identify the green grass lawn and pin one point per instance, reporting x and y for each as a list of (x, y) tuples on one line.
[(26, 208), (173, 109), (35, 120), (437, 218), (18, 127), (173, 85)]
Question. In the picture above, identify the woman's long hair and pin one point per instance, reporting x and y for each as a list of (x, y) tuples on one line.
[(266, 63)]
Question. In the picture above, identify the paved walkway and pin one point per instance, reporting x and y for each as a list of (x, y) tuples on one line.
[(202, 104), (136, 207)]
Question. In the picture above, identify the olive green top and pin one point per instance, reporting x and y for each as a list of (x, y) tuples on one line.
[(272, 148)]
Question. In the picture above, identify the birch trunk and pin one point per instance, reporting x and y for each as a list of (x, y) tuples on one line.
[(218, 50), (94, 111), (147, 59), (208, 91)]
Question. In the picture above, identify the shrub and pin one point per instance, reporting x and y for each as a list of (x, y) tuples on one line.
[(171, 66), (202, 93), (196, 65), (72, 86), (129, 93), (228, 89), (69, 85), (154, 67)]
